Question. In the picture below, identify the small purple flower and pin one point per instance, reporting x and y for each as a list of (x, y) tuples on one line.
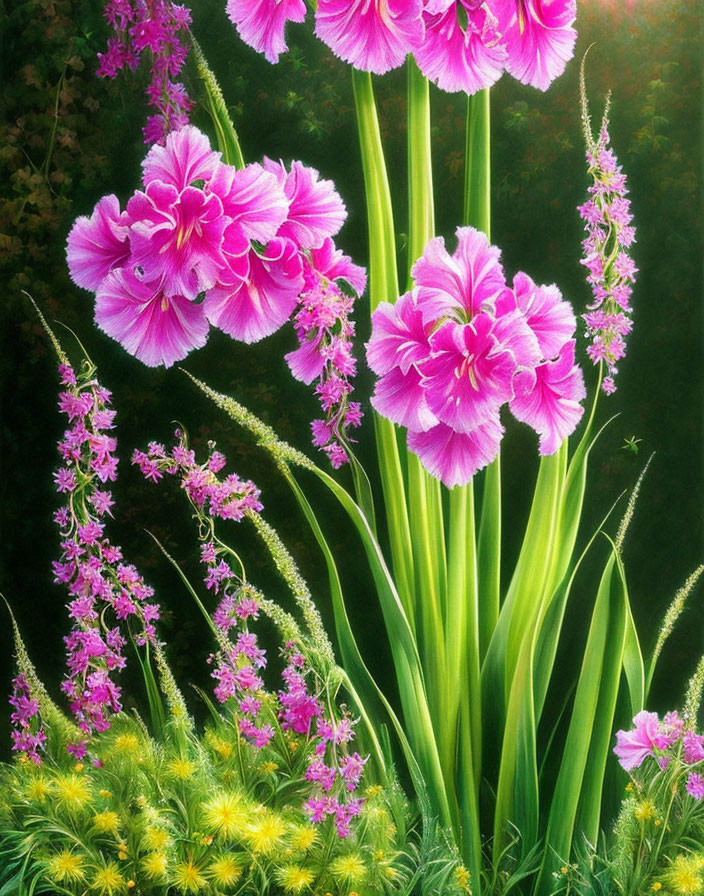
[(695, 786)]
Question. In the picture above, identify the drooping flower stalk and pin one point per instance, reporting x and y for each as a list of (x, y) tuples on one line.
[(153, 28), (263, 717), (610, 234)]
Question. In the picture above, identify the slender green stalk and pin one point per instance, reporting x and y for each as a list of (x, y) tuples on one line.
[(383, 286)]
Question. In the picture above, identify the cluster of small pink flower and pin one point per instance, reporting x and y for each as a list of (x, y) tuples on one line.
[(256, 243), (667, 741), (90, 565), (607, 216), (460, 345), (458, 44), (239, 661), (155, 26), (28, 737)]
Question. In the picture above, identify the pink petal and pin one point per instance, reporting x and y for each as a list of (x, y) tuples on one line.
[(250, 310), (306, 362), (98, 244), (261, 23), (316, 210), (400, 397), (468, 375), (455, 457), (551, 319), (177, 237), (548, 399), (155, 329), (330, 263), (372, 35), (253, 198), (456, 58), (539, 38), (184, 158), (459, 284), (398, 336)]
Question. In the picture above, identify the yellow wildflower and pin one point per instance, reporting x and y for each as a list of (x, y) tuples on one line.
[(66, 867), (188, 877), (181, 768), (37, 789), (225, 871), (127, 743), (72, 792), (266, 834), (156, 838), (349, 868), (225, 815), (684, 876), (656, 886), (373, 790), (268, 767), (645, 810), (295, 879), (303, 838), (107, 880), (106, 822), (462, 877), (155, 864)]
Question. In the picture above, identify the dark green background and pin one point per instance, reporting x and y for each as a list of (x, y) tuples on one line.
[(649, 54)]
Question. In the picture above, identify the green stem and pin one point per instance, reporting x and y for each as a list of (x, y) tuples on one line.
[(383, 286)]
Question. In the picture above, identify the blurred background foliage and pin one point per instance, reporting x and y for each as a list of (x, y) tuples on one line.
[(68, 138)]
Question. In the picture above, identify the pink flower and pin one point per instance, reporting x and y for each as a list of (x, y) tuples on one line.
[(176, 237), (551, 319), (253, 200), (695, 786), (252, 308), (261, 23), (315, 212), (632, 747), (98, 244), (539, 38), (693, 747), (457, 57), (185, 158), (372, 35), (548, 397), (155, 328)]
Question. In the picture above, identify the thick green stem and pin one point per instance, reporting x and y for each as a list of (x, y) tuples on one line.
[(383, 286)]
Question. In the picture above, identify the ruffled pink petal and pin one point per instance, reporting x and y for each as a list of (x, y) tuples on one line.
[(401, 398), (332, 264), (372, 35), (306, 362), (156, 329), (257, 307), (455, 457), (632, 747), (457, 58), (253, 198), (551, 319), (469, 374), (399, 337), (185, 158), (262, 23), (539, 38), (316, 210), (511, 330), (177, 237), (548, 399), (460, 284), (98, 244)]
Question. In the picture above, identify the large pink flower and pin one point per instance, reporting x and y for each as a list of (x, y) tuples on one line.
[(539, 38), (372, 35), (98, 244), (251, 198), (185, 158), (176, 237), (458, 56), (548, 398), (262, 23), (316, 210), (252, 308), (632, 747), (549, 317), (155, 328)]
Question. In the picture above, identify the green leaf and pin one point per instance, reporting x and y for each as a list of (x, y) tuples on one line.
[(225, 133)]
